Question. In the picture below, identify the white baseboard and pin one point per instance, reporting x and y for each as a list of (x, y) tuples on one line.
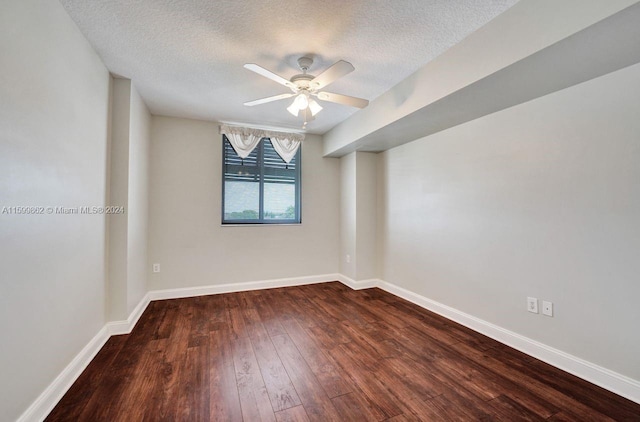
[(241, 287), (45, 403), (358, 285), (115, 328), (603, 377)]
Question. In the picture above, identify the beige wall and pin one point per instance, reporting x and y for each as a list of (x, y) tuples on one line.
[(128, 188), (118, 196), (138, 210), (358, 216), (542, 200), (185, 234), (366, 215), (348, 215), (54, 94)]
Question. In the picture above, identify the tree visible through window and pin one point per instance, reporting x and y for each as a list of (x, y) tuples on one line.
[(260, 189)]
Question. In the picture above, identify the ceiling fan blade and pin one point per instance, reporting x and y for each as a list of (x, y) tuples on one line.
[(268, 74), (343, 99), (337, 70), (269, 99)]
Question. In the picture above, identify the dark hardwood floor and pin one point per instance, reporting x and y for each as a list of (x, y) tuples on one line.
[(323, 353)]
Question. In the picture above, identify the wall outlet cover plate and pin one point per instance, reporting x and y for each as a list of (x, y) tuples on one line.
[(532, 305)]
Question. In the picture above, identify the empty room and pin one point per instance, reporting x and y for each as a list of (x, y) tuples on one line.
[(366, 210)]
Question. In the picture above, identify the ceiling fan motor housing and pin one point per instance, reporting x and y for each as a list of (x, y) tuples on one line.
[(302, 80), (305, 63)]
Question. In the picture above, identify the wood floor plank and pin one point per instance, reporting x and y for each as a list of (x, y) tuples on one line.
[(147, 382), (409, 391), (420, 344), (217, 313), (265, 410), (341, 310), (507, 408), (415, 377), (309, 314), (279, 387), (174, 356), (224, 400), (329, 336), (271, 320), (164, 328), (367, 337), (199, 333), (353, 408), (321, 353), (326, 373), (385, 312), (253, 322), (409, 418), (251, 387), (316, 403), (382, 403), (293, 414), (236, 322), (564, 417), (194, 385), (366, 356), (451, 406)]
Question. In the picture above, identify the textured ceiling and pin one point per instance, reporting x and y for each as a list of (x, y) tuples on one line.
[(185, 57)]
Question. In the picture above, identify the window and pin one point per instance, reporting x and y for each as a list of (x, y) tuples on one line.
[(260, 189)]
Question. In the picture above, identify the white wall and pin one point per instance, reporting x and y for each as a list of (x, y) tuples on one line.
[(185, 234), (118, 196), (128, 188), (348, 215), (358, 216), (54, 94), (138, 211), (366, 215), (543, 200)]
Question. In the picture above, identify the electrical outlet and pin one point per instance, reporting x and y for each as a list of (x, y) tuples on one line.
[(547, 308), (532, 305), (348, 258), (156, 268)]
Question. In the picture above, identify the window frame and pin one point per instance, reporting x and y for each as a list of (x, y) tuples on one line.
[(261, 221)]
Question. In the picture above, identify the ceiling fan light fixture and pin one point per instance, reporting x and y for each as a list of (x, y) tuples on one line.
[(293, 108), (302, 101), (314, 107)]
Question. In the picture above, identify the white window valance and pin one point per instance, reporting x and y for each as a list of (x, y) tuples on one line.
[(244, 140)]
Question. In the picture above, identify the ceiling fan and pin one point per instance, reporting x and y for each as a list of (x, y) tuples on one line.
[(305, 86)]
